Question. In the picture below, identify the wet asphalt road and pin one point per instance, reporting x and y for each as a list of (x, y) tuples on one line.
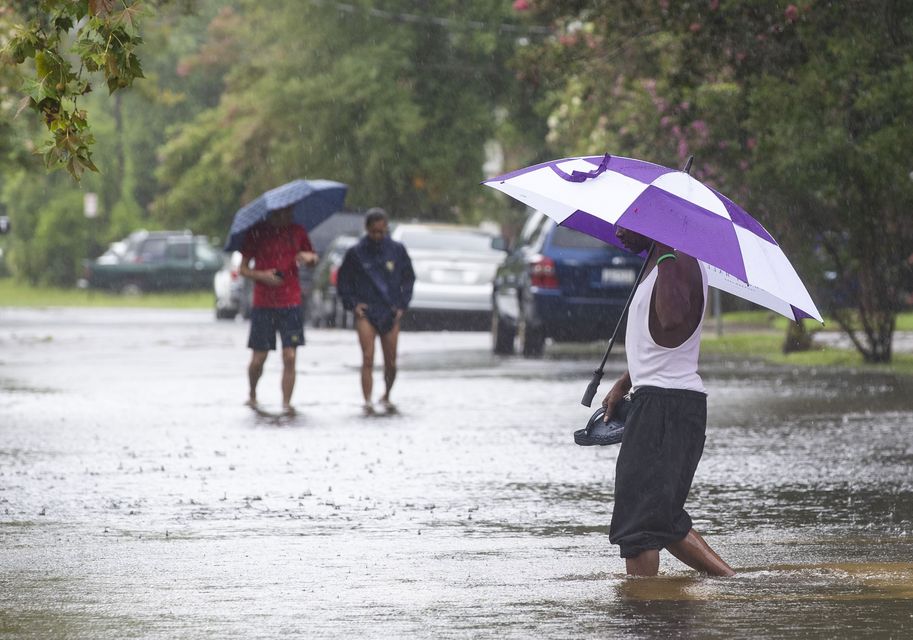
[(140, 499)]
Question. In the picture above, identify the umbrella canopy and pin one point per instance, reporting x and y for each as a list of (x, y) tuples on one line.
[(594, 194), (313, 201)]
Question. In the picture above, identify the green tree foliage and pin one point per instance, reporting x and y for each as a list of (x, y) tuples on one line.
[(398, 109), (801, 112), (394, 97), (129, 128)]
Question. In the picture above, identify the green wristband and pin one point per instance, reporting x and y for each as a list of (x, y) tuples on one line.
[(664, 256)]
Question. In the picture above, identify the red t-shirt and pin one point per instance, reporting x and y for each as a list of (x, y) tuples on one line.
[(274, 247)]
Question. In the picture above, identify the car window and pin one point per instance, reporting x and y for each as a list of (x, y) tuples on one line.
[(531, 228), (206, 252), (181, 251), (446, 239), (152, 250), (341, 245), (564, 237)]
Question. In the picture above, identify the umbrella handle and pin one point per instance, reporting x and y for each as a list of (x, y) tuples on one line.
[(590, 392)]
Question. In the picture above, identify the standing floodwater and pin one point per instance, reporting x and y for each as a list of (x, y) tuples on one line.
[(140, 498)]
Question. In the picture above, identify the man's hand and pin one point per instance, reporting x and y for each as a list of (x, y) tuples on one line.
[(270, 278), (360, 310), (307, 258), (616, 395)]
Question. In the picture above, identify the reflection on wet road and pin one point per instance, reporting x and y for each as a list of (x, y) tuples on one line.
[(139, 498)]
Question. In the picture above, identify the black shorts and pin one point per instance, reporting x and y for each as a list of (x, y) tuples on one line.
[(662, 444), (266, 321)]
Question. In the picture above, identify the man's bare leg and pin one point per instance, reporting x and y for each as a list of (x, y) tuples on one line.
[(366, 335), (646, 563), (697, 554), (288, 378), (388, 343), (254, 371)]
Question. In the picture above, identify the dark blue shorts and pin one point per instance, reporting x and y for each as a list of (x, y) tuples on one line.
[(266, 321)]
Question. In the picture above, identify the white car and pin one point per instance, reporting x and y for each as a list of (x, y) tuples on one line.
[(234, 293), (454, 270)]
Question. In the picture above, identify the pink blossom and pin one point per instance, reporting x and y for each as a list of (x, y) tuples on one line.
[(684, 106), (664, 5), (714, 5), (743, 165), (521, 5), (682, 149), (183, 69), (665, 121), (700, 128), (751, 143), (568, 40), (694, 27), (791, 13)]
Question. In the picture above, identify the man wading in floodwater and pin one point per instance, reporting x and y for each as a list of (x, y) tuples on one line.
[(276, 246), (664, 430)]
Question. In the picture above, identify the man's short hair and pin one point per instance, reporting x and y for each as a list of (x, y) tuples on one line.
[(374, 214)]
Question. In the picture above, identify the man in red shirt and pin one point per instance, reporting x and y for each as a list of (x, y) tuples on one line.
[(276, 247)]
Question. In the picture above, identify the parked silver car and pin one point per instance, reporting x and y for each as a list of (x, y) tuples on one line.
[(454, 269)]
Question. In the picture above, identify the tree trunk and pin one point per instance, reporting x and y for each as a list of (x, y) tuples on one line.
[(797, 338)]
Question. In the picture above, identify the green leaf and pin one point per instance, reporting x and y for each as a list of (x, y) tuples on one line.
[(37, 90)]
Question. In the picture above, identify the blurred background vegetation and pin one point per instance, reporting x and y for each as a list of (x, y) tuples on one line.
[(800, 111)]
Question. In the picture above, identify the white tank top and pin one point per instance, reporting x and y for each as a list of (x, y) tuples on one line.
[(651, 365)]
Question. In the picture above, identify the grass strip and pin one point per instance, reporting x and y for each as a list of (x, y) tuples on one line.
[(767, 345), (17, 294)]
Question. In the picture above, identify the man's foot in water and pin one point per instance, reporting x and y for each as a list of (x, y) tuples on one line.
[(368, 409), (289, 411), (252, 403)]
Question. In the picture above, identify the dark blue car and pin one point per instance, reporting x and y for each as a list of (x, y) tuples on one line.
[(561, 284)]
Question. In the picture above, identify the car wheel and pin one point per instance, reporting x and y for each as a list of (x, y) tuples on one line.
[(502, 335), (532, 340)]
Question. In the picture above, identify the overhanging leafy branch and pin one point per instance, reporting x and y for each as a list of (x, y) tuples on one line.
[(98, 36)]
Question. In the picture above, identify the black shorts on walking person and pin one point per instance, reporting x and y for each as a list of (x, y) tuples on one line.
[(266, 321), (662, 445)]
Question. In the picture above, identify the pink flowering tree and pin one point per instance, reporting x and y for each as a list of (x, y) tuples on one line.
[(799, 112)]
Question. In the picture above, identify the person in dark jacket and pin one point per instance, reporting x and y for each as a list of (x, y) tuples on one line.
[(375, 282)]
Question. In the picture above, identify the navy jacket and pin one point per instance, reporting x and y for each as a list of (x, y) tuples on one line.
[(376, 274)]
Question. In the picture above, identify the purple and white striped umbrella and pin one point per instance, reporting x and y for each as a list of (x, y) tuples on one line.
[(594, 194)]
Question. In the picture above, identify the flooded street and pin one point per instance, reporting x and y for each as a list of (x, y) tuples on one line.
[(139, 498)]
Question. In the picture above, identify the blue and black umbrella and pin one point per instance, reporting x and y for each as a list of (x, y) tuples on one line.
[(312, 202)]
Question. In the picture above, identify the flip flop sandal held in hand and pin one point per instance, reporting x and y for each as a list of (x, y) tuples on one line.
[(599, 433)]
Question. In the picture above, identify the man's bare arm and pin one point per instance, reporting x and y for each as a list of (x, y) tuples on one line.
[(269, 278), (676, 280)]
